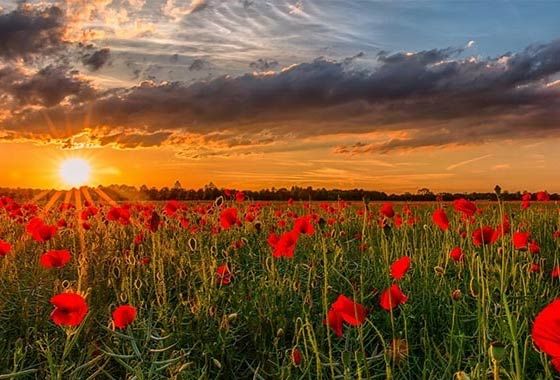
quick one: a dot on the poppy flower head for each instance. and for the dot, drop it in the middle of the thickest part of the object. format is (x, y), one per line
(5, 248)
(440, 219)
(484, 236)
(387, 210)
(543, 196)
(392, 297)
(171, 207)
(457, 254)
(55, 259)
(400, 267)
(223, 275)
(303, 225)
(545, 332)
(123, 316)
(525, 201)
(521, 240)
(239, 196)
(534, 247)
(119, 214)
(229, 218)
(286, 245)
(345, 310)
(351, 312)
(70, 309)
(40, 231)
(466, 207)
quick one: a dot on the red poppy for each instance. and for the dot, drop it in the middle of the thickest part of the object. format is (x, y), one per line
(345, 310)
(392, 297)
(543, 196)
(555, 272)
(521, 240)
(303, 225)
(484, 236)
(286, 245)
(398, 221)
(387, 210)
(504, 228)
(440, 219)
(5, 248)
(296, 356)
(171, 207)
(272, 240)
(457, 254)
(88, 212)
(228, 218)
(123, 316)
(464, 206)
(40, 231)
(239, 196)
(55, 259)
(70, 309)
(534, 247)
(525, 200)
(546, 332)
(119, 214)
(534, 268)
(223, 275)
(400, 267)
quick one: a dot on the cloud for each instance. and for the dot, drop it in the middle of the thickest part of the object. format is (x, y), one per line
(47, 87)
(433, 98)
(467, 162)
(30, 30)
(264, 64)
(96, 60)
(178, 9)
(199, 64)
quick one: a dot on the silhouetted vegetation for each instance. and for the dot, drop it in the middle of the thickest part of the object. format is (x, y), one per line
(211, 192)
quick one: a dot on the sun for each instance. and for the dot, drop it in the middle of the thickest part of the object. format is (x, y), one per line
(75, 171)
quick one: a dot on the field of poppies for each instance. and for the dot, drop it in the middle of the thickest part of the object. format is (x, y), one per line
(237, 288)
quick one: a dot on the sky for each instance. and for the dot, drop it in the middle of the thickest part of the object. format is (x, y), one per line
(385, 95)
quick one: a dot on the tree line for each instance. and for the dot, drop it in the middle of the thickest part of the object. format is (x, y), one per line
(211, 192)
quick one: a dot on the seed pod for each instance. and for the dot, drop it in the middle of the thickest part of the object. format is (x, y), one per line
(193, 244)
(219, 201)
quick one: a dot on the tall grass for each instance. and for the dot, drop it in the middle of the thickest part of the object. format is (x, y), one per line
(190, 327)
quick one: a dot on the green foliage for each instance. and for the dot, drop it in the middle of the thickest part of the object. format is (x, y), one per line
(190, 327)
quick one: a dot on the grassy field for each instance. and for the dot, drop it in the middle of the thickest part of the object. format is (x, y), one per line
(218, 296)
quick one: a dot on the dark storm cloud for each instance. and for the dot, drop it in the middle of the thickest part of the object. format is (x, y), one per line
(47, 87)
(435, 97)
(30, 30)
(96, 60)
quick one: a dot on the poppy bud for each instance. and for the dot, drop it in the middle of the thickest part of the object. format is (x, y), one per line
(296, 356)
(456, 294)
